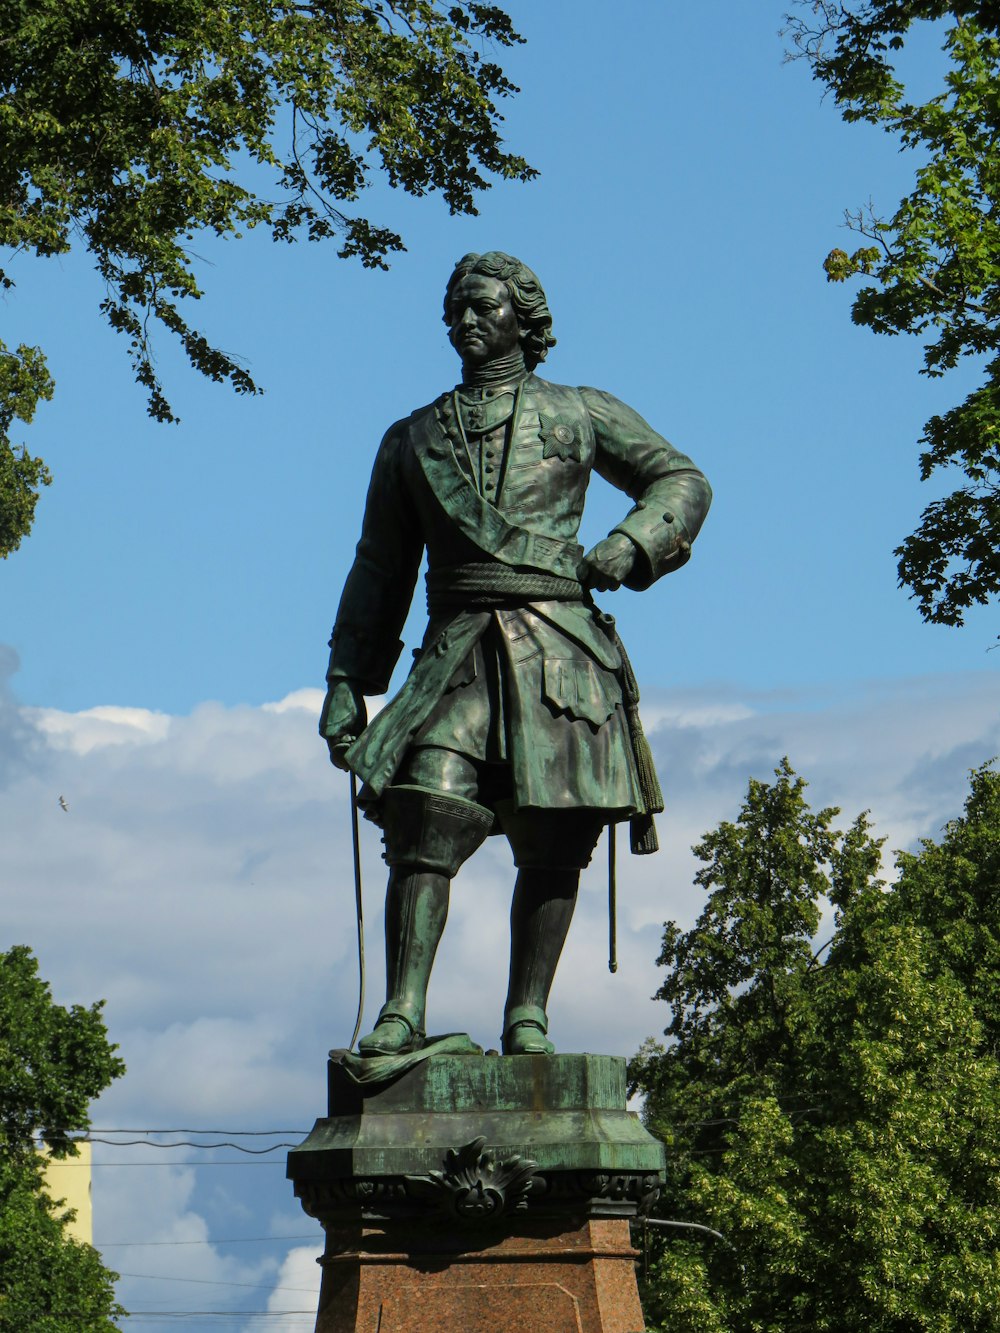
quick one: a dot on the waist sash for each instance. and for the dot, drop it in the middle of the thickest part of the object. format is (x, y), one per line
(484, 586)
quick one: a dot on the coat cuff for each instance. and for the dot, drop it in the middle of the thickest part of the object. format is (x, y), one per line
(356, 654)
(661, 540)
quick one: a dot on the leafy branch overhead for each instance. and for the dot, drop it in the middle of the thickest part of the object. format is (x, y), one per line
(935, 263)
(132, 127)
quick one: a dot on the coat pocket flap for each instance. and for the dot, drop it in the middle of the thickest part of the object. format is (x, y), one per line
(465, 673)
(578, 624)
(580, 689)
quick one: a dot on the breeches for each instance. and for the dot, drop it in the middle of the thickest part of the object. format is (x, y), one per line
(539, 838)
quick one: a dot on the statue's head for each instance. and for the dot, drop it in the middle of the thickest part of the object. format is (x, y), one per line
(527, 300)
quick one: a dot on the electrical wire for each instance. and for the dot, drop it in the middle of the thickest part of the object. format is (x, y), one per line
(207, 1314)
(181, 1143)
(184, 1129)
(687, 1226)
(211, 1282)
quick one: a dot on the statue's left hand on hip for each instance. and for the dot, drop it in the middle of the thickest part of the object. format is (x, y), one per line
(608, 564)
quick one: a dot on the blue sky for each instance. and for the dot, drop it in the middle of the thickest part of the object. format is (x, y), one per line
(691, 185)
(170, 612)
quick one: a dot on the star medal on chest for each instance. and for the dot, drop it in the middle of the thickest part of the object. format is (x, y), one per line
(560, 438)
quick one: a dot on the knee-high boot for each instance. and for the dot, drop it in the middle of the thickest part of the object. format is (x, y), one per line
(540, 916)
(416, 909)
(428, 835)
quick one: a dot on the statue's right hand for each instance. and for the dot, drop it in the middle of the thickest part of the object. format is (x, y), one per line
(344, 718)
(339, 745)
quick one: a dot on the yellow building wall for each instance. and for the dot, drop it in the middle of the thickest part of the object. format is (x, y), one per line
(69, 1178)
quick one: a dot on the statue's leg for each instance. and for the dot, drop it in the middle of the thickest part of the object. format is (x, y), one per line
(540, 915)
(428, 834)
(416, 909)
(550, 849)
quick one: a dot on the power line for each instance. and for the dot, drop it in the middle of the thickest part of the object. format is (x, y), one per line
(207, 1314)
(180, 1143)
(236, 1133)
(211, 1282)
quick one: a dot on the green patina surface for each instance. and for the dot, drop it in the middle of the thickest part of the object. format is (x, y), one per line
(476, 1082)
(565, 1112)
(520, 713)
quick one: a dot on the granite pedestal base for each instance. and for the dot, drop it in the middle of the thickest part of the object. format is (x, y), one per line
(479, 1192)
(533, 1278)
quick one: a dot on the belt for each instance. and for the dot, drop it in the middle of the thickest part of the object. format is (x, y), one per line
(483, 586)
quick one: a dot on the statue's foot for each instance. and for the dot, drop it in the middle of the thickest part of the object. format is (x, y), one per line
(393, 1035)
(526, 1038)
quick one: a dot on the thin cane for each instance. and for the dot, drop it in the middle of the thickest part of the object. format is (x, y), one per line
(612, 903)
(360, 911)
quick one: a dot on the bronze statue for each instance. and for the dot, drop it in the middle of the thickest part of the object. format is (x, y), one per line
(518, 715)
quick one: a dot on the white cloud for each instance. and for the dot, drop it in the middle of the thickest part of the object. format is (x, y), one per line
(309, 700)
(296, 1288)
(664, 712)
(93, 728)
(150, 1223)
(201, 881)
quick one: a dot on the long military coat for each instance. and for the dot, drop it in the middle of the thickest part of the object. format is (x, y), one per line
(564, 732)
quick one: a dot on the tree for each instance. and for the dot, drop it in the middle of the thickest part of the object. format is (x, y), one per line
(935, 262)
(951, 890)
(132, 127)
(53, 1061)
(834, 1112)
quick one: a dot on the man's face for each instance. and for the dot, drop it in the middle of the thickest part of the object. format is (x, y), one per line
(482, 324)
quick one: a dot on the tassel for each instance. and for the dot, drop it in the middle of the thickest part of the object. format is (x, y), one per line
(649, 783)
(642, 835)
(642, 827)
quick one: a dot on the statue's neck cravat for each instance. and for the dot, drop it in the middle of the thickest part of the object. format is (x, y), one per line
(503, 370)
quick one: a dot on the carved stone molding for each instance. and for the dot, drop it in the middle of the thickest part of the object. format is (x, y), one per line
(474, 1185)
(613, 1193)
(479, 1187)
(473, 1142)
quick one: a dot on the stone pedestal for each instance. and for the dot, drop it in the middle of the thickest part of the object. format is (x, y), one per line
(479, 1192)
(543, 1278)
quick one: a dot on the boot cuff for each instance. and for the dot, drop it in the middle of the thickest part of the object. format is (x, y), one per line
(426, 830)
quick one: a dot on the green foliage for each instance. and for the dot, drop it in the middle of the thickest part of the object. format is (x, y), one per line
(935, 262)
(132, 127)
(24, 379)
(49, 1283)
(833, 1112)
(53, 1061)
(951, 889)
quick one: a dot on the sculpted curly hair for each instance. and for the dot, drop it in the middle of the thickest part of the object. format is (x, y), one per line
(526, 296)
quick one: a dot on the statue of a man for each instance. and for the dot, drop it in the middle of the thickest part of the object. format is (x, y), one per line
(515, 717)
